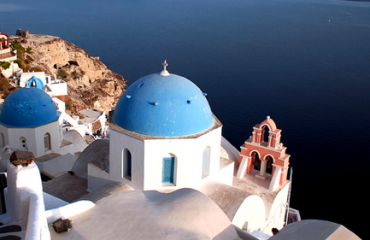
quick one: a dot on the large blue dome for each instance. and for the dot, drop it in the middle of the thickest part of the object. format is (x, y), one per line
(28, 108)
(163, 106)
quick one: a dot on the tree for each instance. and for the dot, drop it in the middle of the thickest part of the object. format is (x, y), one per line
(4, 84)
(25, 67)
(69, 104)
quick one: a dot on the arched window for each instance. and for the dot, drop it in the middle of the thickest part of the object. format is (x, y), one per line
(206, 162)
(126, 164)
(168, 170)
(2, 139)
(47, 143)
(23, 143)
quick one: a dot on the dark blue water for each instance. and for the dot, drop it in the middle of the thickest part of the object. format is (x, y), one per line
(305, 63)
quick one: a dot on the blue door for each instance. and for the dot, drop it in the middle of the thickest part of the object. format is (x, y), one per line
(168, 170)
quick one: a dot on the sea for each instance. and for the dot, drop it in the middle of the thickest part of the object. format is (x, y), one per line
(305, 63)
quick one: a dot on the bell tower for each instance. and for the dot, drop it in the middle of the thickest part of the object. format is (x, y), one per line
(264, 155)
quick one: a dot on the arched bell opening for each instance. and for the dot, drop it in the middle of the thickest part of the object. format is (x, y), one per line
(256, 161)
(265, 134)
(269, 167)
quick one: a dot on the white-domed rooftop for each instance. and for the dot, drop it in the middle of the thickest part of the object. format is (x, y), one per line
(28, 108)
(163, 105)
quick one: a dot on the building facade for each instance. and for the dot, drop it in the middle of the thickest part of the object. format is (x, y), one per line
(29, 121)
(164, 136)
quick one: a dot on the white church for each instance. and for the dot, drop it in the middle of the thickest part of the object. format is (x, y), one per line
(30, 121)
(165, 159)
(164, 136)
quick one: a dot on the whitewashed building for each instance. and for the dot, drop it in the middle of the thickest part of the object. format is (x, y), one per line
(7, 53)
(53, 87)
(29, 121)
(95, 121)
(12, 70)
(164, 136)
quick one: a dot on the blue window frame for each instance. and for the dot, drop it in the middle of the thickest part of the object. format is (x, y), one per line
(168, 170)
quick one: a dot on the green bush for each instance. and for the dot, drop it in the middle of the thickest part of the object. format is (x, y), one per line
(69, 104)
(17, 45)
(5, 65)
(20, 54)
(62, 73)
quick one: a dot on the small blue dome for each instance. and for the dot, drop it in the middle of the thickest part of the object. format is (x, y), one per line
(163, 106)
(28, 108)
(36, 82)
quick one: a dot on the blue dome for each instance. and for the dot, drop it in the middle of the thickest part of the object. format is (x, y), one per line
(163, 106)
(28, 108)
(35, 81)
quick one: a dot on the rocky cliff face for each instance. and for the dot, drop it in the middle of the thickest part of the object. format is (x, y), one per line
(90, 83)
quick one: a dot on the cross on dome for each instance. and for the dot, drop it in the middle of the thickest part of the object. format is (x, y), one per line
(164, 71)
(165, 64)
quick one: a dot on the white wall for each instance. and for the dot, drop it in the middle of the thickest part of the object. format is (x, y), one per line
(96, 177)
(13, 68)
(27, 75)
(224, 175)
(252, 210)
(53, 130)
(188, 153)
(58, 165)
(117, 143)
(34, 137)
(59, 89)
(277, 212)
(12, 137)
(147, 160)
(78, 143)
(22, 182)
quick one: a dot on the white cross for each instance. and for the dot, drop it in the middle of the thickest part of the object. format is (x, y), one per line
(165, 64)
(165, 72)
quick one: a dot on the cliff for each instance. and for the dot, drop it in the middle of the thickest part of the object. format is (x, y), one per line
(90, 82)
